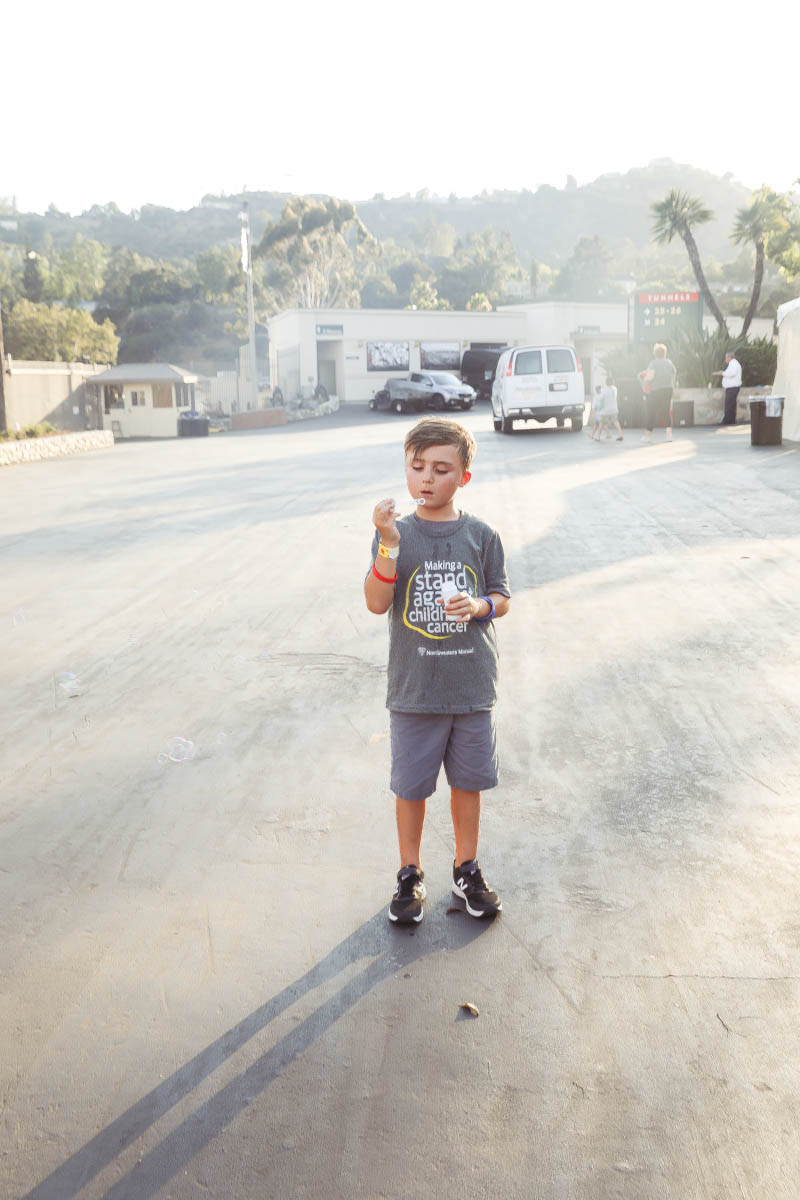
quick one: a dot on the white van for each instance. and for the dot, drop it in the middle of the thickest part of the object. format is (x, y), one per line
(535, 383)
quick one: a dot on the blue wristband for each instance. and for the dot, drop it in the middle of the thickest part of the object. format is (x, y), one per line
(490, 615)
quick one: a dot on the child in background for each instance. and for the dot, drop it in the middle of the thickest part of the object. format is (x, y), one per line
(610, 413)
(597, 409)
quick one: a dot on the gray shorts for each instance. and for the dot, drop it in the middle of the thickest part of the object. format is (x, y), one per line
(466, 743)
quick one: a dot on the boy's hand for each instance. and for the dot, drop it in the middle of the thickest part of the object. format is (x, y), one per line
(462, 607)
(384, 518)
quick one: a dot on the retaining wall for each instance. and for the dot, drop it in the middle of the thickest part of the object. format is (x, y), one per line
(58, 446)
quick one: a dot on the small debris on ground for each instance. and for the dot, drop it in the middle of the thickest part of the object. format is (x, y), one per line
(455, 908)
(472, 1009)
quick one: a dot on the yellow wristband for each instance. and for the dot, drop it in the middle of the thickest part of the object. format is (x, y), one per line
(388, 551)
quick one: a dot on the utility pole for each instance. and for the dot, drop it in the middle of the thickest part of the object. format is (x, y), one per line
(2, 375)
(247, 267)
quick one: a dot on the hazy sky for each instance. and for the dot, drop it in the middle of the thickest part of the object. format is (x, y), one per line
(163, 102)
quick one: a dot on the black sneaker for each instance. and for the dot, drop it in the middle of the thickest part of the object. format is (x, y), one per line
(468, 882)
(406, 905)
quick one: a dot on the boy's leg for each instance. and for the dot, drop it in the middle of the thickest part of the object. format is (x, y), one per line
(471, 758)
(410, 819)
(466, 810)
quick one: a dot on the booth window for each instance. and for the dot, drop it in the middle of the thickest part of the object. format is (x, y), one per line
(162, 395)
(137, 399)
(113, 396)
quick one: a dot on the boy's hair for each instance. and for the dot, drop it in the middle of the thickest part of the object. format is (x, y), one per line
(439, 431)
(659, 350)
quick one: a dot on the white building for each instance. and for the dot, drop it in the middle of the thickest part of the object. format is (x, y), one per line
(353, 351)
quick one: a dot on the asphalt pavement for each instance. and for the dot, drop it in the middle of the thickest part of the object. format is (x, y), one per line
(201, 994)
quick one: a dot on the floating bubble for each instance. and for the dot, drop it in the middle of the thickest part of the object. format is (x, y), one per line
(69, 683)
(163, 758)
(18, 617)
(420, 500)
(180, 749)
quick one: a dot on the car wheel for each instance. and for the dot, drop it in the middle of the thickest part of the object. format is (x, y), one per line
(466, 405)
(372, 404)
(577, 424)
(438, 403)
(560, 422)
(497, 423)
(399, 406)
(507, 425)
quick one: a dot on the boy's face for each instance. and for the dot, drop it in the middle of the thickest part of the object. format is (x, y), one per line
(435, 474)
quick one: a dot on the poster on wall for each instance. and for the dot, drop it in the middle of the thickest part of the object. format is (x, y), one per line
(440, 356)
(387, 356)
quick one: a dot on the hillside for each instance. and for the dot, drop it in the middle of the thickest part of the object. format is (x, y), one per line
(544, 224)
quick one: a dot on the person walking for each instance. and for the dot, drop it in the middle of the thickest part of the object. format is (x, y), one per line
(660, 375)
(731, 381)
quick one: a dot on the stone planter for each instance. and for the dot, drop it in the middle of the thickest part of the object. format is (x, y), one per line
(709, 403)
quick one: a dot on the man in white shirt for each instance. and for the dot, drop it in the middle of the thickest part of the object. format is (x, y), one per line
(731, 381)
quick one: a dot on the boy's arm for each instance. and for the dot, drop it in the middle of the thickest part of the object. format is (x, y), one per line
(379, 595)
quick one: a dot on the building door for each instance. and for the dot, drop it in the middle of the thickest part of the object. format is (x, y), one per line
(326, 370)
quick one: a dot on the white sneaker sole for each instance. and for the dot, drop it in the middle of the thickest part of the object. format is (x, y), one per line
(474, 912)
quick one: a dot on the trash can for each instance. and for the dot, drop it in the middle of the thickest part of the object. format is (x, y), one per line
(193, 424)
(766, 421)
(683, 412)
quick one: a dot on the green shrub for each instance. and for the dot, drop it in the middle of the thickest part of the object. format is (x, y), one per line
(31, 431)
(759, 360)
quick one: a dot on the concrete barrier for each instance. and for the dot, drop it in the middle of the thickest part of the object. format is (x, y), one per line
(57, 446)
(258, 418)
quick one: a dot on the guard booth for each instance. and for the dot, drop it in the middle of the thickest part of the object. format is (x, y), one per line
(145, 399)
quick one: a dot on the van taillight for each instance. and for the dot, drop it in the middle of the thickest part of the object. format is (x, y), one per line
(510, 367)
(580, 364)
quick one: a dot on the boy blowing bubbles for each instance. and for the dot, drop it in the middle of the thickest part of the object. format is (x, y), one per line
(440, 574)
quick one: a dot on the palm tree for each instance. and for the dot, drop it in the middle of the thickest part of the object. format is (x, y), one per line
(754, 222)
(675, 215)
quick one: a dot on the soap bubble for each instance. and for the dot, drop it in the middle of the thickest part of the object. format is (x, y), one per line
(163, 758)
(18, 617)
(69, 683)
(180, 749)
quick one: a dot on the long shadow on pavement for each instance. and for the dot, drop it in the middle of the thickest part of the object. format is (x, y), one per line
(390, 948)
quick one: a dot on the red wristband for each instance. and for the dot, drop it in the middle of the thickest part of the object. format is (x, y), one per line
(383, 578)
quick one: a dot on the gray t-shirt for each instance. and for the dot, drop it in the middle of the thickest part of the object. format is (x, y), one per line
(663, 374)
(436, 665)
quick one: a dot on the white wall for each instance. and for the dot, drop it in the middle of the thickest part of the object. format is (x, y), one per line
(787, 378)
(359, 326)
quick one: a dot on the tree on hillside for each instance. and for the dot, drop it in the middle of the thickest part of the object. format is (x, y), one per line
(586, 275)
(424, 295)
(77, 272)
(219, 270)
(783, 246)
(115, 300)
(765, 214)
(479, 302)
(311, 252)
(675, 216)
(481, 262)
(44, 332)
(34, 276)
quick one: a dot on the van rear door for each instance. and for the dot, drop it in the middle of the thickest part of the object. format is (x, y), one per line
(525, 380)
(564, 380)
